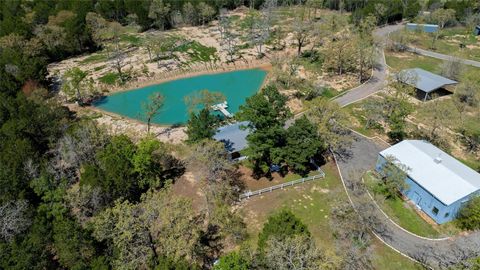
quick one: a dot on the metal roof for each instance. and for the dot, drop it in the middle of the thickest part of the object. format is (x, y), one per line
(427, 28)
(443, 176)
(423, 80)
(234, 136)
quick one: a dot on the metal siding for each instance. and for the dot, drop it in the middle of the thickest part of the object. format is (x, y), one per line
(427, 200)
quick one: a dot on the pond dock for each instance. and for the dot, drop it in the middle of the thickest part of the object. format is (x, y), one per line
(222, 107)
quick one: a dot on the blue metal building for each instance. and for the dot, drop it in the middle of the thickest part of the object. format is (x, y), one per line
(438, 184)
(427, 28)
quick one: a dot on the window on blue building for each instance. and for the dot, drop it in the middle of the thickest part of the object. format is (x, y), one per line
(447, 214)
(435, 210)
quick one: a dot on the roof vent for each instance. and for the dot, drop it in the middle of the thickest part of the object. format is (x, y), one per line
(438, 159)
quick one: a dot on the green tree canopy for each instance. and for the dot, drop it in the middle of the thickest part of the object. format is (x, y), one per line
(232, 261)
(394, 174)
(201, 126)
(302, 144)
(267, 113)
(115, 171)
(281, 224)
(469, 215)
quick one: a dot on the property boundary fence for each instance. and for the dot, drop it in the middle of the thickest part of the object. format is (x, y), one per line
(249, 194)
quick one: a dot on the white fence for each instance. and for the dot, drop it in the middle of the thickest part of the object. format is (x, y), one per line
(249, 194)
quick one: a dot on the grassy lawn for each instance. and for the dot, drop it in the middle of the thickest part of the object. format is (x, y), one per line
(131, 39)
(399, 61)
(386, 258)
(357, 116)
(405, 215)
(449, 43)
(293, 176)
(109, 78)
(312, 203)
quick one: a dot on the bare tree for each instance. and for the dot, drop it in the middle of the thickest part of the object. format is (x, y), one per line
(295, 252)
(439, 114)
(13, 219)
(364, 46)
(227, 35)
(164, 47)
(152, 108)
(259, 33)
(374, 112)
(203, 98)
(117, 53)
(452, 68)
(301, 28)
(353, 237)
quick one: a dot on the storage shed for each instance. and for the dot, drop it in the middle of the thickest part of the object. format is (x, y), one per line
(438, 184)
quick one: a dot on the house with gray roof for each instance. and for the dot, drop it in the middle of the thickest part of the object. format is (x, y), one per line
(438, 184)
(234, 136)
(426, 83)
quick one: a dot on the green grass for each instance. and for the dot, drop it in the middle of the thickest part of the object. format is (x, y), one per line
(386, 258)
(354, 111)
(100, 67)
(405, 215)
(448, 43)
(109, 78)
(313, 212)
(198, 52)
(312, 203)
(471, 162)
(411, 60)
(294, 176)
(134, 40)
(94, 58)
(406, 60)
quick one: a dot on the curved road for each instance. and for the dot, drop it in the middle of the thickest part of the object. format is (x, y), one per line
(443, 56)
(379, 74)
(434, 253)
(437, 254)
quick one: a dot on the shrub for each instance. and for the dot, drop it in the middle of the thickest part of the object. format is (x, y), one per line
(282, 224)
(232, 261)
(469, 215)
(109, 78)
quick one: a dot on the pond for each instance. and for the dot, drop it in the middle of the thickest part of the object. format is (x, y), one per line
(235, 85)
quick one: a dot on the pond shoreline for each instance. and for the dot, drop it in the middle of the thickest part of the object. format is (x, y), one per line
(184, 74)
(172, 133)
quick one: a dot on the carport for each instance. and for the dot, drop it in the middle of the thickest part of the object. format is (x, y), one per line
(426, 83)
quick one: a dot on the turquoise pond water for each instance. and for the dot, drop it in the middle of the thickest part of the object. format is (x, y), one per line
(235, 85)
